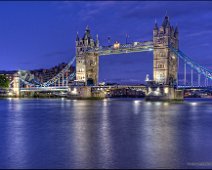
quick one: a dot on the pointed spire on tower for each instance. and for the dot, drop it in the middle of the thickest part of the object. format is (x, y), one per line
(87, 28)
(166, 22)
(176, 29)
(77, 38)
(97, 40)
(87, 33)
(156, 25)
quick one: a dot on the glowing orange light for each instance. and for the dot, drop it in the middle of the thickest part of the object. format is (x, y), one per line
(116, 45)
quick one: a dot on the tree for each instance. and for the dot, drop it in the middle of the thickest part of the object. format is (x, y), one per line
(4, 82)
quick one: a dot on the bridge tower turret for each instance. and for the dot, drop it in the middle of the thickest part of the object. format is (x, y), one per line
(165, 63)
(87, 64)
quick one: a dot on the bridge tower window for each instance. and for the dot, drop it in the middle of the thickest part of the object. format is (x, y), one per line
(160, 65)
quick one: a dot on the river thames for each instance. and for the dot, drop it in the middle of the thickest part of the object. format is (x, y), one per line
(110, 133)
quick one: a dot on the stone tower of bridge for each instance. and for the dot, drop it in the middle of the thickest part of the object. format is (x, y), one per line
(87, 64)
(165, 62)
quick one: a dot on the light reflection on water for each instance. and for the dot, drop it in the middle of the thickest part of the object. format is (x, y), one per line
(110, 133)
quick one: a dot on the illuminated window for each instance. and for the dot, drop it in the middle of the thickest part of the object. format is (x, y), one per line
(91, 62)
(160, 65)
(162, 76)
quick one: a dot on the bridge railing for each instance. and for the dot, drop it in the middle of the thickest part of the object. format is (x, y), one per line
(45, 89)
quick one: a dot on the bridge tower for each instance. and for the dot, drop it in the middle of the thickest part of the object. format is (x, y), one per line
(87, 64)
(165, 63)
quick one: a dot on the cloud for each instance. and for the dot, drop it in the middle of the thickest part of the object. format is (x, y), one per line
(85, 10)
(201, 33)
(175, 9)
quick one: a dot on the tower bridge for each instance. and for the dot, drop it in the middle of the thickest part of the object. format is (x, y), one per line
(165, 66)
(166, 57)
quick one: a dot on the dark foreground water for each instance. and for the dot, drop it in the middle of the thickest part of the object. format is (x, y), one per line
(114, 133)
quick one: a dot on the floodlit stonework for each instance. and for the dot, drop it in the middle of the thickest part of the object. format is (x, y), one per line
(165, 64)
(87, 64)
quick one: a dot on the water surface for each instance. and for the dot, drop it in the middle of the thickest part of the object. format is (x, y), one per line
(112, 133)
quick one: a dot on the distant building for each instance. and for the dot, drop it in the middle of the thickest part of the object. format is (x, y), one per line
(9, 74)
(43, 75)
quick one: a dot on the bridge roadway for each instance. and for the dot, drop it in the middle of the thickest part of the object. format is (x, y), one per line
(119, 87)
(68, 88)
(45, 89)
(101, 88)
(195, 87)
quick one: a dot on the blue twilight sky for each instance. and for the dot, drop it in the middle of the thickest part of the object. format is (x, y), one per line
(42, 34)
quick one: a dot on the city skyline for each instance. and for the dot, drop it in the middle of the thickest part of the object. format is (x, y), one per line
(46, 32)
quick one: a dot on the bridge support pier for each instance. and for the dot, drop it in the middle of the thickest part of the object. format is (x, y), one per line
(164, 93)
(161, 92)
(85, 92)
